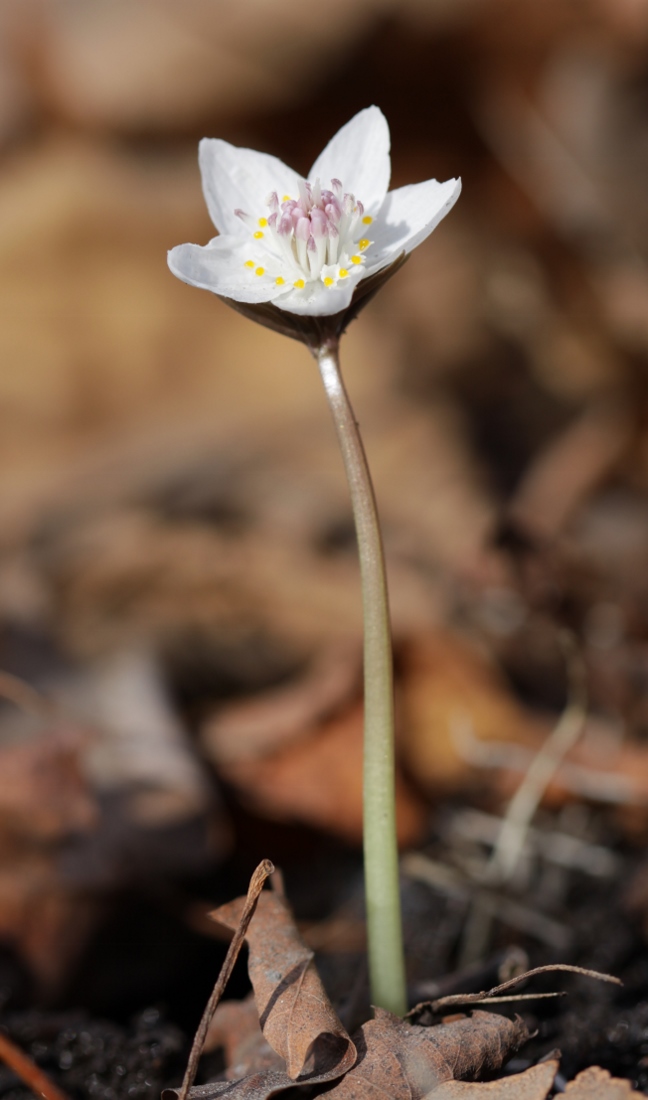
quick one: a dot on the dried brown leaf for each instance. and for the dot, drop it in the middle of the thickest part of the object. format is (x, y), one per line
(595, 1083)
(402, 1061)
(255, 727)
(406, 1062)
(235, 1027)
(533, 1084)
(287, 785)
(297, 1018)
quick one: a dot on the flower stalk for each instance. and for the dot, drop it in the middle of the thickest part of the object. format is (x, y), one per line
(384, 926)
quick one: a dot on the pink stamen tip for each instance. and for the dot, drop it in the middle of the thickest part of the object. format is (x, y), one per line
(273, 201)
(285, 227)
(336, 185)
(311, 246)
(333, 232)
(240, 213)
(360, 209)
(304, 196)
(303, 229)
(272, 220)
(319, 222)
(333, 211)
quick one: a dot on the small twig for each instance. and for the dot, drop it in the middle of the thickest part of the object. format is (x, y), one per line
(527, 798)
(262, 872)
(490, 994)
(31, 1074)
(512, 838)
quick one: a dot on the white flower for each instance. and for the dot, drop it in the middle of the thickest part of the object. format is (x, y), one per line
(304, 245)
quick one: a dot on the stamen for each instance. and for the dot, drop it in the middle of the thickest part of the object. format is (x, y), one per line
(308, 234)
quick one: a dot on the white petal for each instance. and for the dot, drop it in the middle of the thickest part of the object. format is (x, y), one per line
(318, 300)
(407, 216)
(358, 156)
(220, 267)
(241, 179)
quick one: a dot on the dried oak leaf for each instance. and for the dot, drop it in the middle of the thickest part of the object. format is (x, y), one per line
(402, 1061)
(534, 1084)
(595, 1083)
(296, 1016)
(406, 1062)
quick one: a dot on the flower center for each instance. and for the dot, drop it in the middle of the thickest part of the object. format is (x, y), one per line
(318, 236)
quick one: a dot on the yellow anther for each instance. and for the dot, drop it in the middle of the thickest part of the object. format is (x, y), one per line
(279, 281)
(286, 198)
(364, 243)
(249, 263)
(260, 271)
(263, 222)
(343, 272)
(356, 259)
(258, 234)
(300, 284)
(328, 281)
(367, 220)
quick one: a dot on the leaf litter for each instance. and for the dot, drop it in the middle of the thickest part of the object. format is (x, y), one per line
(288, 1036)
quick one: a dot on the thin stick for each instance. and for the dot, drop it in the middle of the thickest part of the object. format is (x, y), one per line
(542, 769)
(384, 925)
(31, 1074)
(492, 994)
(262, 872)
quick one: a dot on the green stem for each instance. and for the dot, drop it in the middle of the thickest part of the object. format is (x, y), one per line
(384, 931)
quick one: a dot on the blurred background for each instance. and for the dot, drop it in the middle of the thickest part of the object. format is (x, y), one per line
(180, 621)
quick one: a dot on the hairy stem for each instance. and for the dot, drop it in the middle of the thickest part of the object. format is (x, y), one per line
(384, 931)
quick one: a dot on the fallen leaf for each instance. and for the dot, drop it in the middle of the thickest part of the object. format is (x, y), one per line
(287, 785)
(446, 681)
(296, 1016)
(235, 1028)
(407, 1062)
(252, 728)
(400, 1060)
(534, 1084)
(595, 1083)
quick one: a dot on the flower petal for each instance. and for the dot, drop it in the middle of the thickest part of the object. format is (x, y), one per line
(358, 155)
(241, 179)
(220, 267)
(407, 216)
(319, 300)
